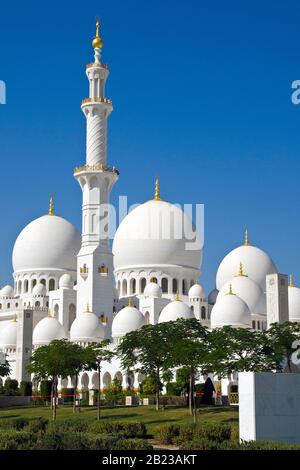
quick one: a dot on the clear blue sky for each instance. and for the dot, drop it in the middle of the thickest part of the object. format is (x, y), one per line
(201, 95)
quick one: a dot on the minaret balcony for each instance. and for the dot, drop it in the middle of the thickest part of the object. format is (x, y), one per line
(93, 64)
(97, 100)
(92, 168)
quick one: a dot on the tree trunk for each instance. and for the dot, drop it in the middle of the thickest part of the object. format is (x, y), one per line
(75, 393)
(157, 391)
(52, 394)
(54, 398)
(191, 391)
(99, 393)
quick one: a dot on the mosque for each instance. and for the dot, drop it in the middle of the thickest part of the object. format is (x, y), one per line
(76, 286)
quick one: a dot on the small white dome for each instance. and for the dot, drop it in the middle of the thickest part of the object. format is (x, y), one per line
(212, 296)
(248, 291)
(230, 310)
(257, 264)
(87, 328)
(152, 289)
(294, 303)
(175, 310)
(8, 336)
(66, 282)
(39, 290)
(7, 291)
(127, 319)
(48, 329)
(49, 242)
(197, 292)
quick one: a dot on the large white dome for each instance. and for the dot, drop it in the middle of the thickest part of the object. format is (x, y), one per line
(175, 310)
(257, 264)
(127, 319)
(87, 328)
(248, 291)
(197, 292)
(230, 310)
(7, 291)
(49, 242)
(156, 233)
(48, 329)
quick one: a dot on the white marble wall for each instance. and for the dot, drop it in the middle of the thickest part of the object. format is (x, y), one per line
(269, 406)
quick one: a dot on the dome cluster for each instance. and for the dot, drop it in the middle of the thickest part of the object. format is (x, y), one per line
(239, 298)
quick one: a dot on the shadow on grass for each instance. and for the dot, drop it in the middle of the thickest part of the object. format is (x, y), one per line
(9, 416)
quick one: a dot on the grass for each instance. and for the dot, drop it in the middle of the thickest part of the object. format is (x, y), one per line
(152, 418)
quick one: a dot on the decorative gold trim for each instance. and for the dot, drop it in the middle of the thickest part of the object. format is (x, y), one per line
(291, 283)
(51, 208)
(97, 41)
(84, 269)
(97, 100)
(103, 269)
(241, 271)
(80, 169)
(246, 242)
(230, 290)
(157, 190)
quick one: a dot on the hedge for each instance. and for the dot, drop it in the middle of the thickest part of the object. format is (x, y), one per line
(17, 440)
(127, 430)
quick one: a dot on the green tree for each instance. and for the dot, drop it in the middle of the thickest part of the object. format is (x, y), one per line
(238, 350)
(4, 367)
(281, 339)
(148, 386)
(95, 355)
(191, 352)
(114, 392)
(149, 350)
(58, 359)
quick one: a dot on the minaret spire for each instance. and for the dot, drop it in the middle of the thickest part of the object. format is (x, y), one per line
(97, 43)
(51, 208)
(246, 242)
(157, 190)
(291, 284)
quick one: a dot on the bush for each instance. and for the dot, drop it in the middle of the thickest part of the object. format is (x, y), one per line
(25, 389)
(37, 425)
(173, 434)
(10, 387)
(206, 444)
(127, 430)
(172, 400)
(26, 424)
(67, 394)
(17, 440)
(69, 425)
(168, 434)
(114, 393)
(213, 432)
(174, 389)
(16, 424)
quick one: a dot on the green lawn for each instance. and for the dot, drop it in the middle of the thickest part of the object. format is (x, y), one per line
(152, 418)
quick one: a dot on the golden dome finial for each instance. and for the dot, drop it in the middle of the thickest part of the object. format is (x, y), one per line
(230, 290)
(51, 209)
(87, 310)
(157, 190)
(14, 318)
(241, 271)
(50, 313)
(130, 304)
(291, 284)
(177, 298)
(246, 243)
(97, 41)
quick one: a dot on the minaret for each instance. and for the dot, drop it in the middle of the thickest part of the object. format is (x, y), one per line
(95, 278)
